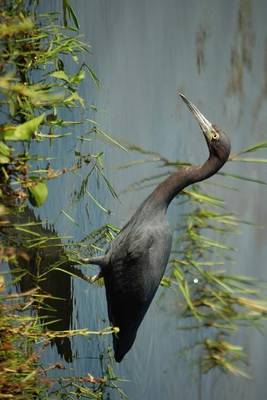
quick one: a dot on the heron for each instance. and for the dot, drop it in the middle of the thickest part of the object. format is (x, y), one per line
(136, 260)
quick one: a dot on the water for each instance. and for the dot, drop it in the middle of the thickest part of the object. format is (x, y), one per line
(143, 52)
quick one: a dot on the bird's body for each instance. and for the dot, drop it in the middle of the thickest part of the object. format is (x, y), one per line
(135, 263)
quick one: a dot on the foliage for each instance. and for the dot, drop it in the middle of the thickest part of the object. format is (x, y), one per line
(38, 96)
(22, 376)
(18, 364)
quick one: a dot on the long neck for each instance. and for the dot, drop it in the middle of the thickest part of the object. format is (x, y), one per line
(177, 181)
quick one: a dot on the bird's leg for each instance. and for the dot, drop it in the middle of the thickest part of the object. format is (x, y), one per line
(96, 277)
(101, 261)
(93, 278)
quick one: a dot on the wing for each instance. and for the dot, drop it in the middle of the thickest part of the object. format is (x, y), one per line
(136, 268)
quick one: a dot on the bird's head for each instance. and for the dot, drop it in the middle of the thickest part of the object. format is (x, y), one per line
(217, 141)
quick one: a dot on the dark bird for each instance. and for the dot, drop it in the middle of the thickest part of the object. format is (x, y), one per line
(134, 264)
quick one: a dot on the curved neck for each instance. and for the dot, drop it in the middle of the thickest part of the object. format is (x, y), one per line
(177, 181)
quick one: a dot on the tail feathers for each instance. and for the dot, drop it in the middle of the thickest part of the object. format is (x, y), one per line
(122, 344)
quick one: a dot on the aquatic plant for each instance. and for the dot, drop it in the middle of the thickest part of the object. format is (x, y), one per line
(38, 96)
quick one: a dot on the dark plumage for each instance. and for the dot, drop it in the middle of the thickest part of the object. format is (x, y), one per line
(136, 260)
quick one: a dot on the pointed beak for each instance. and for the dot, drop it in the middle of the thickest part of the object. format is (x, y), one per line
(204, 124)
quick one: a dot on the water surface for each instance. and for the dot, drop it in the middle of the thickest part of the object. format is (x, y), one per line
(143, 52)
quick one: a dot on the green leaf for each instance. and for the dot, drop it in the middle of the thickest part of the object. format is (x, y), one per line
(74, 79)
(93, 76)
(255, 147)
(73, 98)
(60, 75)
(69, 216)
(67, 9)
(110, 187)
(73, 16)
(242, 178)
(98, 131)
(97, 202)
(77, 78)
(4, 149)
(250, 160)
(5, 152)
(4, 159)
(201, 197)
(24, 131)
(38, 193)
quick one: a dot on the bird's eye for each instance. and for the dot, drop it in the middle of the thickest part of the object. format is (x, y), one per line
(215, 136)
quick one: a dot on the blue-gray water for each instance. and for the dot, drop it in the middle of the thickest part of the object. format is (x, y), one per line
(143, 52)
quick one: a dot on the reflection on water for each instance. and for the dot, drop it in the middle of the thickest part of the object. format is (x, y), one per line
(41, 251)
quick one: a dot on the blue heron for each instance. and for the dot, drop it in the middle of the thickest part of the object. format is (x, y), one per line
(134, 264)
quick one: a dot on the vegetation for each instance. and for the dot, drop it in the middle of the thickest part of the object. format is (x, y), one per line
(40, 76)
(212, 299)
(38, 96)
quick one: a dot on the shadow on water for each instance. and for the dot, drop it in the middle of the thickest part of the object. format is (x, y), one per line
(41, 252)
